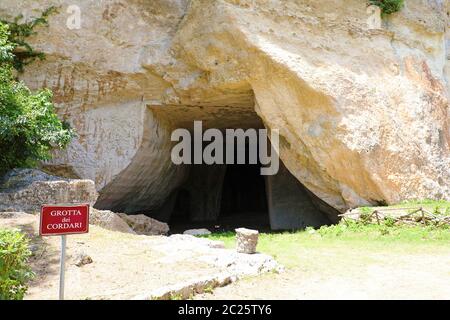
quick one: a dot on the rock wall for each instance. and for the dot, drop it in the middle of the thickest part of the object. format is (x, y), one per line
(363, 113)
(28, 189)
(290, 206)
(149, 177)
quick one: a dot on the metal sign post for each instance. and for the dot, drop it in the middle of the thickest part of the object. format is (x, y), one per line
(62, 267)
(61, 220)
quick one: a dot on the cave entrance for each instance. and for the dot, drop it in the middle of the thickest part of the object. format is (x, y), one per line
(218, 196)
(244, 199)
(221, 198)
(226, 197)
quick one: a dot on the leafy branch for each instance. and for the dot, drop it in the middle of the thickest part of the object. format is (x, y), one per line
(29, 126)
(18, 33)
(388, 6)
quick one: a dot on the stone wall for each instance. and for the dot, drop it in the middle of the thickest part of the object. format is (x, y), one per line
(28, 189)
(290, 206)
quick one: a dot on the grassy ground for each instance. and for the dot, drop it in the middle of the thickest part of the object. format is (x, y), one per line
(351, 260)
(353, 237)
(440, 207)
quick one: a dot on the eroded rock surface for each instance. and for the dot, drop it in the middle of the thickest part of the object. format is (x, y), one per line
(246, 240)
(142, 224)
(28, 189)
(362, 113)
(197, 232)
(109, 220)
(113, 265)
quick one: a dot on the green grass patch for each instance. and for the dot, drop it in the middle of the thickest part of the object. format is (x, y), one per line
(346, 241)
(440, 207)
(388, 6)
(14, 269)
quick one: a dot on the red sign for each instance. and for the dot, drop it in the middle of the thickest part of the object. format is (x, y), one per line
(59, 220)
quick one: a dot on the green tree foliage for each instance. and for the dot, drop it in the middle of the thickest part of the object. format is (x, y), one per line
(18, 33)
(14, 269)
(29, 126)
(388, 6)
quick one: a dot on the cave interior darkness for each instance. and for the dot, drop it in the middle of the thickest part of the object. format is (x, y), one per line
(242, 202)
(219, 197)
(222, 197)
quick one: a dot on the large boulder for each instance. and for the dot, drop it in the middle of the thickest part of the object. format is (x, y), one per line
(362, 112)
(28, 189)
(108, 220)
(145, 225)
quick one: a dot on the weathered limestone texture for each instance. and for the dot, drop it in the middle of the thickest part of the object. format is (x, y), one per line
(28, 189)
(362, 113)
(290, 206)
(246, 240)
(108, 220)
(197, 232)
(142, 224)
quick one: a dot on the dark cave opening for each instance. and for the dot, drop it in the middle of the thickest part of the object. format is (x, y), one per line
(180, 214)
(244, 199)
(219, 197)
(236, 197)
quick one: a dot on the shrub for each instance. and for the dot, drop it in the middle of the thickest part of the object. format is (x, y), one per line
(365, 213)
(388, 6)
(389, 222)
(19, 31)
(14, 270)
(29, 127)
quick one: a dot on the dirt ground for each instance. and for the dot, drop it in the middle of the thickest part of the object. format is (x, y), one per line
(124, 265)
(127, 265)
(371, 276)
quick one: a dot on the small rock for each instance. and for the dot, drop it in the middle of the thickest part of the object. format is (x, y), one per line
(197, 232)
(82, 259)
(189, 241)
(34, 248)
(246, 240)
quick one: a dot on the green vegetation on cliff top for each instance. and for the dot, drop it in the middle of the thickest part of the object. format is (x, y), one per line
(29, 126)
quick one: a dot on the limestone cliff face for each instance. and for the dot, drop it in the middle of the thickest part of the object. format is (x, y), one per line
(363, 113)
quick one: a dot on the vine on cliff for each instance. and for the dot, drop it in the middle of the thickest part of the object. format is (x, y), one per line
(388, 6)
(19, 31)
(29, 126)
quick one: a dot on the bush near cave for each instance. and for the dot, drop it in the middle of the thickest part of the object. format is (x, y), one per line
(29, 126)
(14, 270)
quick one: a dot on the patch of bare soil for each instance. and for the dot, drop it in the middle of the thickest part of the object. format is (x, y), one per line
(388, 276)
(124, 265)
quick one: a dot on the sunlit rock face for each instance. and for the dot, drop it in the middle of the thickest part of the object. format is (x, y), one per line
(362, 112)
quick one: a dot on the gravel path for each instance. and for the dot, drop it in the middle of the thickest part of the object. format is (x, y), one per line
(127, 266)
(386, 276)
